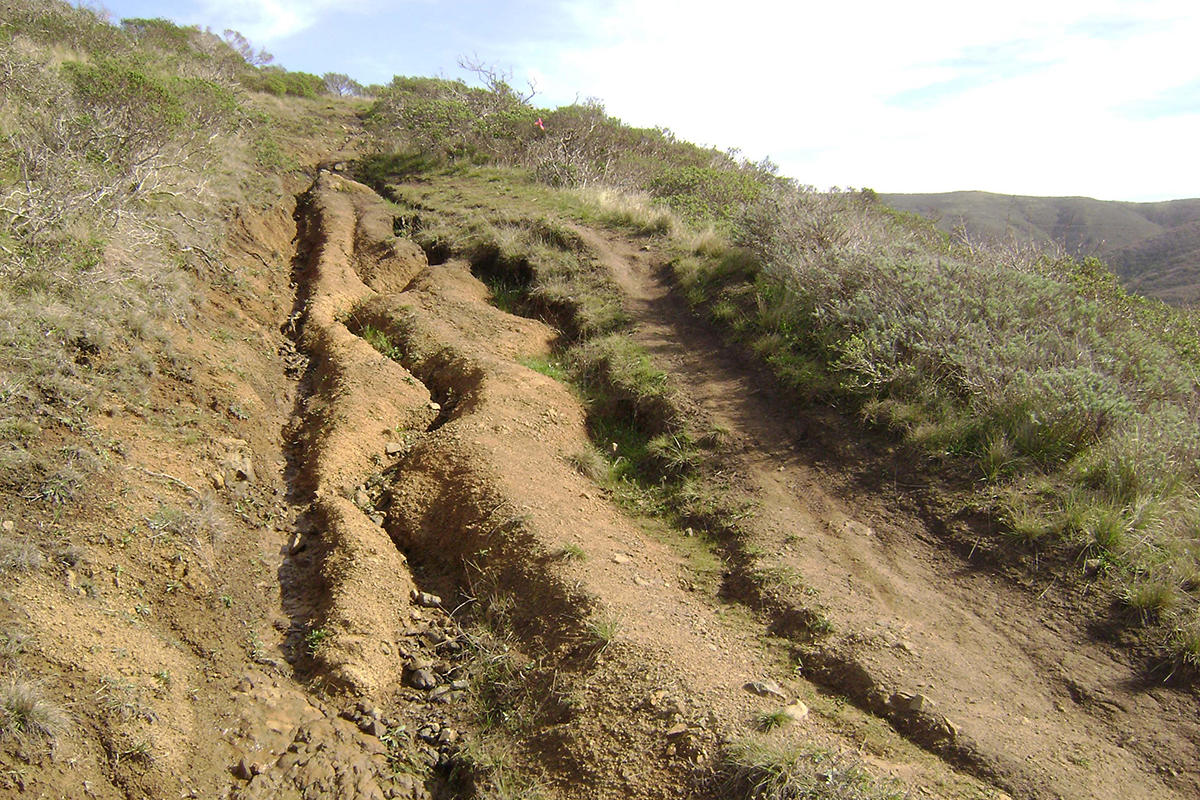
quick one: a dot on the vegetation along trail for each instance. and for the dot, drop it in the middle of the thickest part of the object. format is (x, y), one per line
(1028, 697)
(613, 675)
(401, 442)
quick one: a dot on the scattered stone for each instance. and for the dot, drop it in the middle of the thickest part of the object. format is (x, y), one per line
(218, 481)
(425, 599)
(422, 678)
(677, 730)
(288, 760)
(296, 544)
(372, 727)
(447, 736)
(393, 449)
(237, 466)
(460, 685)
(439, 691)
(950, 728)
(620, 558)
(9, 526)
(377, 519)
(361, 498)
(1092, 566)
(243, 770)
(857, 528)
(428, 734)
(435, 406)
(640, 581)
(911, 702)
(765, 689)
(796, 711)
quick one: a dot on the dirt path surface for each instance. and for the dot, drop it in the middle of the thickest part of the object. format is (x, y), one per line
(1029, 700)
(461, 456)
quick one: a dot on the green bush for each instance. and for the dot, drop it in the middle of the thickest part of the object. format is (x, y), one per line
(281, 82)
(1076, 402)
(706, 193)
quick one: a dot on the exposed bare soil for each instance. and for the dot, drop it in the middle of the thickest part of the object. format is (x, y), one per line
(642, 676)
(287, 643)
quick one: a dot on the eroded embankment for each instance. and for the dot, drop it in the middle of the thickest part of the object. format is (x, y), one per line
(444, 467)
(355, 396)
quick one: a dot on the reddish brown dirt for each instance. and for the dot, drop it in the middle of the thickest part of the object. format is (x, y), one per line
(1037, 703)
(483, 501)
(268, 652)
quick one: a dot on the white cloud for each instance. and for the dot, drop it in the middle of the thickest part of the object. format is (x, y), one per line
(1023, 96)
(270, 21)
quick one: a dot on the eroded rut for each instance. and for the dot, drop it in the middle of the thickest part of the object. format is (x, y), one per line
(442, 466)
(1021, 694)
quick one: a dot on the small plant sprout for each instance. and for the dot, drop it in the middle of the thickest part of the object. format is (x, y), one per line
(315, 638)
(770, 720)
(570, 551)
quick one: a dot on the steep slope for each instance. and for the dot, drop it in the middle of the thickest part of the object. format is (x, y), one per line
(1153, 247)
(632, 680)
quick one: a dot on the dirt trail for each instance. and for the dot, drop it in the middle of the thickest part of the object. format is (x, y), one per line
(461, 456)
(1033, 702)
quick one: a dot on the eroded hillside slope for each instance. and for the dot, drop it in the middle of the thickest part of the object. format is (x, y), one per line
(392, 571)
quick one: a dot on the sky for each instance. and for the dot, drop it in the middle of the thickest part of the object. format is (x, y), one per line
(1098, 98)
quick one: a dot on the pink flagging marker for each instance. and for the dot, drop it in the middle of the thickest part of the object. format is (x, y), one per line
(539, 124)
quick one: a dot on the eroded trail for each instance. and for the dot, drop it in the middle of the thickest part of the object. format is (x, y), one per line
(434, 462)
(989, 677)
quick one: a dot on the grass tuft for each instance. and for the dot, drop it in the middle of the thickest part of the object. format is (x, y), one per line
(19, 555)
(27, 716)
(762, 769)
(590, 464)
(570, 551)
(1151, 598)
(770, 720)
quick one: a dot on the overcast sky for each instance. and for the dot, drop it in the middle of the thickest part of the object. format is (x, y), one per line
(1099, 98)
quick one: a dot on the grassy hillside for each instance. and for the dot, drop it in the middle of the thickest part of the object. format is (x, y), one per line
(1069, 406)
(148, 174)
(1153, 247)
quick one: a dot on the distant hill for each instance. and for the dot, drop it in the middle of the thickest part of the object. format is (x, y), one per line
(1153, 247)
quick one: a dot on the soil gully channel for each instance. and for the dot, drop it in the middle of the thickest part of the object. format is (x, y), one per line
(631, 680)
(477, 494)
(918, 632)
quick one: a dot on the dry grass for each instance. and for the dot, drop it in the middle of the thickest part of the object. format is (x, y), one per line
(761, 768)
(629, 210)
(27, 717)
(19, 555)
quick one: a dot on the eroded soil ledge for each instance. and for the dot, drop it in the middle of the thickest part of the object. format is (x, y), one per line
(442, 466)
